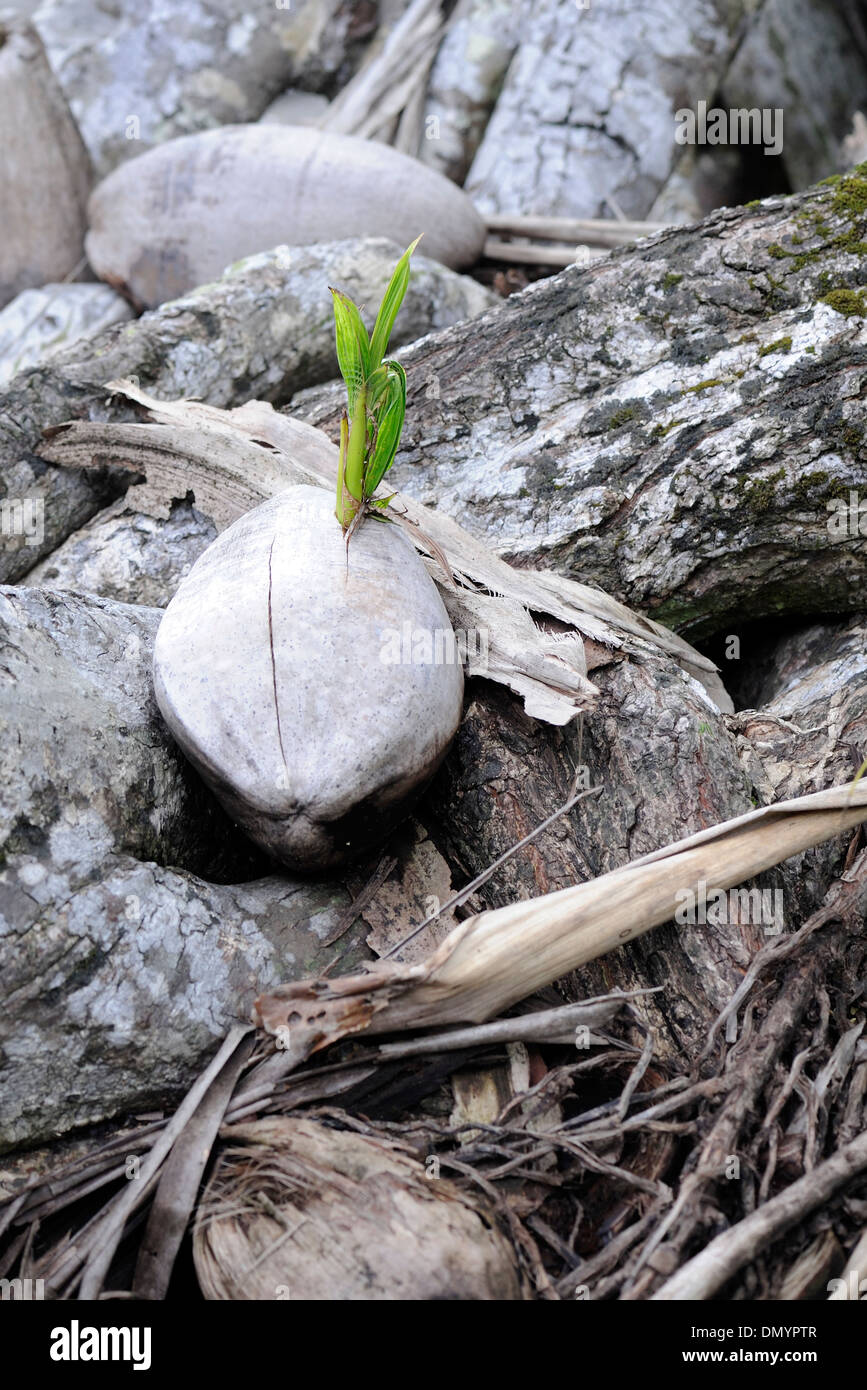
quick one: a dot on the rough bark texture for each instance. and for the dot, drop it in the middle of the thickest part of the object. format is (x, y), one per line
(587, 107)
(653, 731)
(673, 424)
(41, 322)
(650, 734)
(808, 732)
(215, 62)
(263, 330)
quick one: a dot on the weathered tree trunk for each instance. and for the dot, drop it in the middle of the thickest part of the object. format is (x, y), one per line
(566, 131)
(667, 766)
(679, 424)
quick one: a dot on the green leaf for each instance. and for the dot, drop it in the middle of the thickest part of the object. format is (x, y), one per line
(377, 385)
(353, 346)
(391, 417)
(388, 309)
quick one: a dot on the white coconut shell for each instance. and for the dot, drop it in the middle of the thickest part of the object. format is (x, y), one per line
(45, 172)
(176, 216)
(366, 1222)
(279, 668)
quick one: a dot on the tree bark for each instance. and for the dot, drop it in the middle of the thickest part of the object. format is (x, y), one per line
(678, 424)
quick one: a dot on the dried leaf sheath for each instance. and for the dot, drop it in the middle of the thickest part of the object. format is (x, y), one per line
(498, 957)
(233, 460)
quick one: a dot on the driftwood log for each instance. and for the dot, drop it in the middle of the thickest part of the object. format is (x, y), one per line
(677, 423)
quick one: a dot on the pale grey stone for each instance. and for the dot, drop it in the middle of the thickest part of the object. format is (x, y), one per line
(118, 986)
(87, 768)
(128, 555)
(295, 108)
(466, 79)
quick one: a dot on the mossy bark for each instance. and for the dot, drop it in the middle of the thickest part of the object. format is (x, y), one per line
(677, 424)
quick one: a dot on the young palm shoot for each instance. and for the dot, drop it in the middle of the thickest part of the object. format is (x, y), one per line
(376, 399)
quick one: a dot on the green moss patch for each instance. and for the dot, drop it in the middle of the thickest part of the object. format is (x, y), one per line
(845, 301)
(780, 345)
(621, 417)
(705, 385)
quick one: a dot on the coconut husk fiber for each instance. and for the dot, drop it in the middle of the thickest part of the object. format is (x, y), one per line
(297, 1208)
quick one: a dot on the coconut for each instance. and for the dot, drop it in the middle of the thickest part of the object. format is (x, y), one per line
(298, 1210)
(316, 686)
(177, 215)
(45, 170)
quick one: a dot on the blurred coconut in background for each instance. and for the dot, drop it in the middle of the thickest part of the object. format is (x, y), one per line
(299, 1209)
(177, 216)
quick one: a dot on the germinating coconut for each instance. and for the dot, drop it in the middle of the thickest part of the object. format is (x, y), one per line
(281, 668)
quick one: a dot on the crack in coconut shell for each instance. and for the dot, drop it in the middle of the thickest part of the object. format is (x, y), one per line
(274, 669)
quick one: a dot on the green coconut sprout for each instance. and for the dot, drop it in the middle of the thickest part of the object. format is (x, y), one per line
(376, 398)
